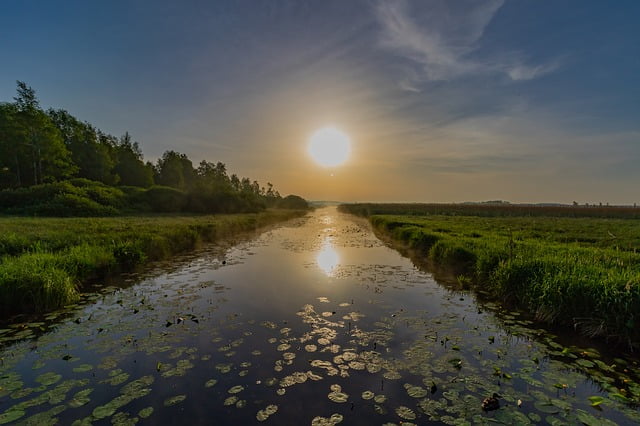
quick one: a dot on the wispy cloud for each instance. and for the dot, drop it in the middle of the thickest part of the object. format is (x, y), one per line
(443, 37)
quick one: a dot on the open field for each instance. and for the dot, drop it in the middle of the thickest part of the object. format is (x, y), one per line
(494, 210)
(581, 272)
(44, 260)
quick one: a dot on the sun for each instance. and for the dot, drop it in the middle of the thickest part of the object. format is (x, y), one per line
(329, 147)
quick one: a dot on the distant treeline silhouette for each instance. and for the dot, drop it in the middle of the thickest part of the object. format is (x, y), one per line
(51, 163)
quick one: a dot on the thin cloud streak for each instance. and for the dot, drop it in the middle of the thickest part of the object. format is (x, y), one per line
(442, 41)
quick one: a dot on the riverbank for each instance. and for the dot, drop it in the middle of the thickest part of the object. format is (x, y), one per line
(577, 272)
(45, 261)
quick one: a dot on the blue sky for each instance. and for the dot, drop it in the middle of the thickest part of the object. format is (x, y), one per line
(444, 101)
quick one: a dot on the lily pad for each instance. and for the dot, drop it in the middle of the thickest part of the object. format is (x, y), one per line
(83, 368)
(417, 392)
(145, 412)
(81, 398)
(338, 397)
(47, 379)
(263, 415)
(367, 395)
(405, 413)
(231, 400)
(596, 400)
(11, 415)
(174, 400)
(546, 407)
(236, 389)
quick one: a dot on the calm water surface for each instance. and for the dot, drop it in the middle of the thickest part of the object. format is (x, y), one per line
(312, 322)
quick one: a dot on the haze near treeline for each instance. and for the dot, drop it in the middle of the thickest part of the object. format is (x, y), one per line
(443, 101)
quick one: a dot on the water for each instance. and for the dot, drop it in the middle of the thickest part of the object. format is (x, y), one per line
(312, 319)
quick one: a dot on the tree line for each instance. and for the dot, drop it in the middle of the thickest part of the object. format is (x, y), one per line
(44, 148)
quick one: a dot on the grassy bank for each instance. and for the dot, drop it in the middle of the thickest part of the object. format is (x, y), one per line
(581, 272)
(44, 261)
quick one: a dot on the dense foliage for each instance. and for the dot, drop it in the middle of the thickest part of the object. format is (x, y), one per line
(52, 164)
(582, 272)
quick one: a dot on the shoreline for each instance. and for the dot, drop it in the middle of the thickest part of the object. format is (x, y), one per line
(46, 261)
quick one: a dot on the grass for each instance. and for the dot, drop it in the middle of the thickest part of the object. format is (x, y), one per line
(581, 272)
(44, 261)
(495, 210)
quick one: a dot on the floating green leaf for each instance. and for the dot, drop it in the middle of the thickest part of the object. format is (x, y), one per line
(47, 379)
(174, 400)
(596, 400)
(405, 413)
(367, 395)
(11, 415)
(83, 368)
(145, 412)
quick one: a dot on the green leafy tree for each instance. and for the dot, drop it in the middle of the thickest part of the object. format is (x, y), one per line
(11, 137)
(175, 170)
(130, 167)
(94, 158)
(39, 154)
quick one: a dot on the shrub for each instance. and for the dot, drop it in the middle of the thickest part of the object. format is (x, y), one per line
(165, 199)
(76, 197)
(293, 202)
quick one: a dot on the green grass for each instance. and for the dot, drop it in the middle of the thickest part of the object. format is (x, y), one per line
(494, 210)
(44, 261)
(580, 272)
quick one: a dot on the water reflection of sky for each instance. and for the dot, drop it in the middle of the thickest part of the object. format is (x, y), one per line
(328, 258)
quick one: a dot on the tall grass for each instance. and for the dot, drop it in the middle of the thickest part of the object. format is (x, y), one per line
(44, 261)
(582, 272)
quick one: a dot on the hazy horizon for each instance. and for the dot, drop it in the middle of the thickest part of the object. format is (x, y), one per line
(521, 101)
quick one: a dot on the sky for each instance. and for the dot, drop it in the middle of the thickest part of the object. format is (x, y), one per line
(444, 101)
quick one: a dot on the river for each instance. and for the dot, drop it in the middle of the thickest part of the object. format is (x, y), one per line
(314, 321)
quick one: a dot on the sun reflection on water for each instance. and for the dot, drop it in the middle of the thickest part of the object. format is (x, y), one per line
(328, 259)
(326, 220)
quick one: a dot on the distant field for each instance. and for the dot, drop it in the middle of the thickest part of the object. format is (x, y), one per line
(582, 271)
(493, 210)
(44, 260)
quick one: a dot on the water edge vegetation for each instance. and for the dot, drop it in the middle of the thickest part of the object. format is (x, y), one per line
(568, 269)
(44, 261)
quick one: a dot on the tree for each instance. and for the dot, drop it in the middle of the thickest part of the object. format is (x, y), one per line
(175, 170)
(129, 167)
(94, 158)
(39, 154)
(11, 136)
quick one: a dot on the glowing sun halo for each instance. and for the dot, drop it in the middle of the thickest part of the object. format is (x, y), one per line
(329, 147)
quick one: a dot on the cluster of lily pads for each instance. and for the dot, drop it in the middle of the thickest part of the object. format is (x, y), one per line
(376, 360)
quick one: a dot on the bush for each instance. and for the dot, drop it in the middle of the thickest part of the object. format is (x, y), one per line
(71, 205)
(293, 202)
(76, 197)
(100, 193)
(165, 199)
